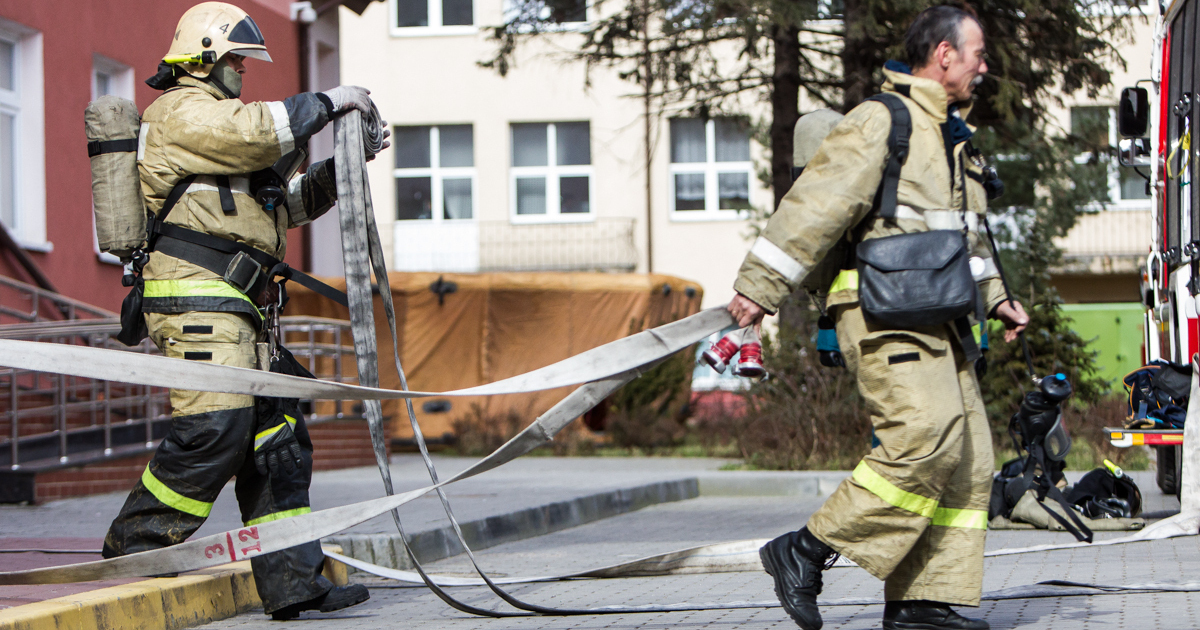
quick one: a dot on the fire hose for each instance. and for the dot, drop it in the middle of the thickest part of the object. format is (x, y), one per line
(598, 372)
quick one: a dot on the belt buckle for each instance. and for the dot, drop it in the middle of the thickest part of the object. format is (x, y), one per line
(238, 268)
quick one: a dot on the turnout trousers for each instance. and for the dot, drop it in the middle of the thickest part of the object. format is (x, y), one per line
(210, 441)
(914, 512)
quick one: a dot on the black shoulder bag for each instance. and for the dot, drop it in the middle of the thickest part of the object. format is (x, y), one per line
(920, 279)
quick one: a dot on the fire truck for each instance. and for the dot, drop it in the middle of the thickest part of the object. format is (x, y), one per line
(1155, 120)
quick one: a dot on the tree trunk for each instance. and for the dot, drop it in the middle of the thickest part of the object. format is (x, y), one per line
(858, 57)
(785, 106)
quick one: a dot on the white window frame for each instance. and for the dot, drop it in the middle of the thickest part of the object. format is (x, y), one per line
(436, 174)
(120, 77)
(510, 13)
(435, 28)
(27, 105)
(710, 168)
(1116, 8)
(120, 84)
(551, 172)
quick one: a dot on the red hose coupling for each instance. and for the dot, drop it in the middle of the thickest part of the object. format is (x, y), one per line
(750, 361)
(718, 355)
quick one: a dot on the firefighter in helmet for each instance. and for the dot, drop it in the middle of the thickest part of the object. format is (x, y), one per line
(205, 159)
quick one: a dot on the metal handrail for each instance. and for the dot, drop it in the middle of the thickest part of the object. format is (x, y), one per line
(92, 420)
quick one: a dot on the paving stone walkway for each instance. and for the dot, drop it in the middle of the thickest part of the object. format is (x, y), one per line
(709, 519)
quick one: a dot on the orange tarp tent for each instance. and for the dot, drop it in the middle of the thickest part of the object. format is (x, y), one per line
(496, 325)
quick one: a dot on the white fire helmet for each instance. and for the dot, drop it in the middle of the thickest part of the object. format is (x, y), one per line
(210, 30)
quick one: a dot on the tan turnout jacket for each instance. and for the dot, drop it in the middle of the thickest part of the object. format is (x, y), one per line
(194, 129)
(836, 190)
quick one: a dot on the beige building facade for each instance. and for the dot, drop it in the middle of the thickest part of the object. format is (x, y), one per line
(1103, 254)
(544, 169)
(539, 170)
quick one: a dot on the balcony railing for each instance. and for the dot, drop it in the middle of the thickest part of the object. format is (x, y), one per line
(1111, 241)
(603, 244)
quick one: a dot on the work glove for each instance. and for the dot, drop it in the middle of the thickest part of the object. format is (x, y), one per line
(347, 97)
(276, 450)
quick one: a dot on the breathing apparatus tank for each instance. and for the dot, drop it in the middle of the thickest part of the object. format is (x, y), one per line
(111, 124)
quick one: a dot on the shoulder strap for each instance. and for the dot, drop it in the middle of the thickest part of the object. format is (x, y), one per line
(898, 140)
(173, 197)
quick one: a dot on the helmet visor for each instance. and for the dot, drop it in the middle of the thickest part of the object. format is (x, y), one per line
(246, 32)
(254, 53)
(1057, 442)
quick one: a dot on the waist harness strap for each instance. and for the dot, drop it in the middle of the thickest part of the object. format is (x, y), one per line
(245, 268)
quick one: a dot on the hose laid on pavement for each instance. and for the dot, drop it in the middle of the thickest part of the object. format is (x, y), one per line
(602, 371)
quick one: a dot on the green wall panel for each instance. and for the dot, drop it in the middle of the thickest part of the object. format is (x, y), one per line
(1115, 331)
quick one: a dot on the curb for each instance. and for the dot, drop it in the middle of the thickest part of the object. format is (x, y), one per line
(429, 546)
(770, 483)
(189, 600)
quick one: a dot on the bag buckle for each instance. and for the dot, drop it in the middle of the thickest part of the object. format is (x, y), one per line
(242, 272)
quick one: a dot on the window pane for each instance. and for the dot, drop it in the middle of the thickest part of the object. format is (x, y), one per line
(529, 144)
(733, 190)
(567, 10)
(831, 9)
(687, 140)
(733, 140)
(103, 85)
(531, 195)
(6, 65)
(457, 145)
(573, 193)
(411, 146)
(1090, 124)
(1133, 186)
(412, 13)
(574, 143)
(413, 200)
(7, 174)
(456, 197)
(689, 191)
(456, 12)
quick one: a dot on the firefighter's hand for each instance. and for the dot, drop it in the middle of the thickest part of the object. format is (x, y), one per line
(279, 454)
(1014, 318)
(745, 311)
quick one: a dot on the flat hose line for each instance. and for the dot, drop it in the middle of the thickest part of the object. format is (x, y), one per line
(601, 371)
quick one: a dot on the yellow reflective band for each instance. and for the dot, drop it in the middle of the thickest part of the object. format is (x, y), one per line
(193, 288)
(173, 499)
(969, 519)
(883, 489)
(977, 332)
(847, 280)
(261, 437)
(277, 516)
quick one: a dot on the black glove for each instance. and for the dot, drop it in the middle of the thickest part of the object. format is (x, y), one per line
(276, 447)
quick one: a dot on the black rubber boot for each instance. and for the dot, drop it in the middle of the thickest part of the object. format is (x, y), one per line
(796, 560)
(926, 615)
(337, 598)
